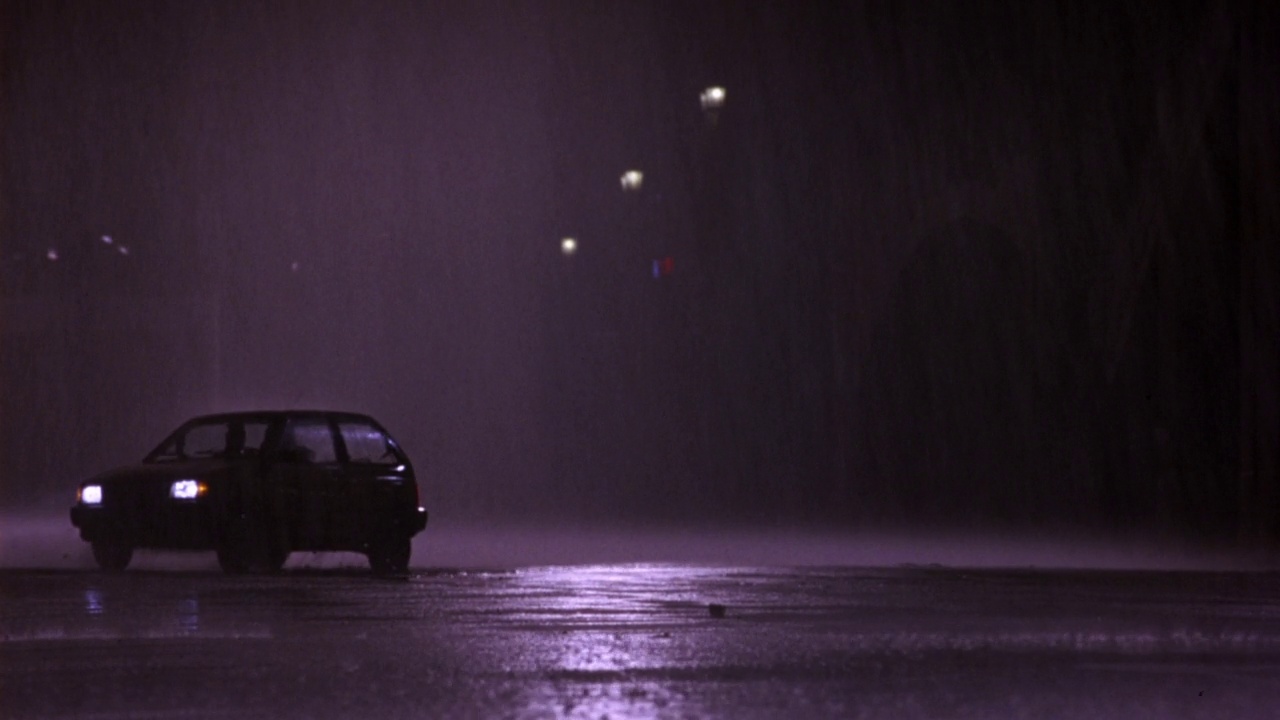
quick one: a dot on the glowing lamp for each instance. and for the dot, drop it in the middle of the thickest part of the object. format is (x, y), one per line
(632, 180)
(712, 98)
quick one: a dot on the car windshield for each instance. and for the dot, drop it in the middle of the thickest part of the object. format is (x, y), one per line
(227, 438)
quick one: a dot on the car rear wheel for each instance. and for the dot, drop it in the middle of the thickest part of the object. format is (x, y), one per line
(243, 551)
(232, 560)
(275, 556)
(112, 556)
(390, 556)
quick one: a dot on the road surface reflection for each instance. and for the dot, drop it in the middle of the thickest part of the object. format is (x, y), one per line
(640, 640)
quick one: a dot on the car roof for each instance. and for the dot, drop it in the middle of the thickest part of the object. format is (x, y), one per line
(279, 414)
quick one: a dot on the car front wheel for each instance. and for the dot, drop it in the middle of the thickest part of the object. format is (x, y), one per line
(275, 556)
(112, 556)
(232, 560)
(390, 556)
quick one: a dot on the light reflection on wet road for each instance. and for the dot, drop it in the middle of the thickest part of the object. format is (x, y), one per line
(639, 641)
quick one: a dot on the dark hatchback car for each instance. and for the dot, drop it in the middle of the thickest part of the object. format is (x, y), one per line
(255, 486)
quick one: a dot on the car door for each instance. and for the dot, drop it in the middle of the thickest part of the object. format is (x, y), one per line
(379, 482)
(308, 485)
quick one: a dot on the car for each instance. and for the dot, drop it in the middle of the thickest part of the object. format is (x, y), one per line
(256, 486)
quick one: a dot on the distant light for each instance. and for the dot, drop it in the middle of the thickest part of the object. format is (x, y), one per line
(123, 250)
(106, 239)
(568, 246)
(712, 98)
(663, 267)
(632, 180)
(294, 266)
(52, 254)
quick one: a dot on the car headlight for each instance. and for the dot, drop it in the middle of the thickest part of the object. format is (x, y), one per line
(187, 489)
(91, 494)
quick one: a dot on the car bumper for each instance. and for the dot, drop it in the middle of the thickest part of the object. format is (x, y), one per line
(96, 522)
(178, 527)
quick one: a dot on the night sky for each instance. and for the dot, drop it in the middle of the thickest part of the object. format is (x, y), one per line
(938, 265)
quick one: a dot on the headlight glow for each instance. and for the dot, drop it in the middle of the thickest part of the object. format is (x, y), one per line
(187, 489)
(91, 494)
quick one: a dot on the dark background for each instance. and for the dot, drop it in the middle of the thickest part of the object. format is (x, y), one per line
(995, 265)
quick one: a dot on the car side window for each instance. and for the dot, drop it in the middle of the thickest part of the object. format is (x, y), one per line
(367, 444)
(309, 441)
(204, 440)
(227, 438)
(255, 433)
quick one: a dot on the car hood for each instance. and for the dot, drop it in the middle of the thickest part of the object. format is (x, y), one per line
(203, 468)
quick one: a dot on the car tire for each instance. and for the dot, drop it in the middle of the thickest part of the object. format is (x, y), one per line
(112, 556)
(232, 560)
(275, 555)
(390, 556)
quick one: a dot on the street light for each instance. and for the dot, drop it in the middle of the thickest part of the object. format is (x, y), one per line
(712, 99)
(111, 242)
(568, 246)
(632, 180)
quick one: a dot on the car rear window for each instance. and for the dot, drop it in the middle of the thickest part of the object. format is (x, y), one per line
(367, 444)
(312, 436)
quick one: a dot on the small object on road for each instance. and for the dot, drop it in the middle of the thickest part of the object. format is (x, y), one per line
(717, 610)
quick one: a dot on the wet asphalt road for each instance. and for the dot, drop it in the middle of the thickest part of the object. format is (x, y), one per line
(624, 641)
